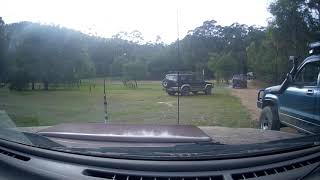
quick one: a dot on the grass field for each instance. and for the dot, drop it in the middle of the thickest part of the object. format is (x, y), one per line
(146, 104)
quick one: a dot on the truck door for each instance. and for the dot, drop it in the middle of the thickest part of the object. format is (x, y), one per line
(298, 104)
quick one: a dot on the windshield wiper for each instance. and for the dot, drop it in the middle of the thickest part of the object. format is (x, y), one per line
(193, 151)
(26, 138)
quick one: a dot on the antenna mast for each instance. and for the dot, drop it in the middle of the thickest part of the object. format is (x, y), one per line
(105, 104)
(178, 75)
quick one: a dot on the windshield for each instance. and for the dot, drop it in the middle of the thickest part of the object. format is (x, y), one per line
(172, 77)
(94, 74)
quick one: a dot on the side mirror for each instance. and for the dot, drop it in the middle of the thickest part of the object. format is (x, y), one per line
(292, 58)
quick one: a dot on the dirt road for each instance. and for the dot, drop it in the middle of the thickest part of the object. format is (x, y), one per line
(248, 98)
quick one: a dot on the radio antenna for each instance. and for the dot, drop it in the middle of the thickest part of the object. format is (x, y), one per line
(178, 75)
(105, 104)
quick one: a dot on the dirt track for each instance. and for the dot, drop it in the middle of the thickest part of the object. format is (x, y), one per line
(248, 98)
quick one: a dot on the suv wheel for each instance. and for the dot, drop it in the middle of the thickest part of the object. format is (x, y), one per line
(269, 119)
(185, 91)
(208, 90)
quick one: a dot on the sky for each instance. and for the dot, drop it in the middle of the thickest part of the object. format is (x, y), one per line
(151, 17)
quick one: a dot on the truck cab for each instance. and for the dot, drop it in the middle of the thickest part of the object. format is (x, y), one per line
(296, 102)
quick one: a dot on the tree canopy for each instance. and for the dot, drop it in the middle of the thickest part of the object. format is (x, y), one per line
(35, 53)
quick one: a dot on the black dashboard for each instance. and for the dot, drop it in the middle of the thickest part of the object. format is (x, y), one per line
(26, 162)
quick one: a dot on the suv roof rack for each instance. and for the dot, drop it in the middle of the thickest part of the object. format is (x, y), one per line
(314, 48)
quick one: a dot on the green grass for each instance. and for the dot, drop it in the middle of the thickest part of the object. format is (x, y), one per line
(146, 104)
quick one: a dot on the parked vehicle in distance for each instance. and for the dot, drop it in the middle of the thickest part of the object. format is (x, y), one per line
(186, 83)
(250, 76)
(239, 81)
(296, 102)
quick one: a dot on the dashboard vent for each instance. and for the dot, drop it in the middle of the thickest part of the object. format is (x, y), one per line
(14, 155)
(276, 170)
(115, 176)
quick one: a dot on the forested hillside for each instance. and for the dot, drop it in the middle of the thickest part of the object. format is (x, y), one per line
(33, 53)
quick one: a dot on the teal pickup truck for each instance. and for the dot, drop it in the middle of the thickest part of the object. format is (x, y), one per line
(296, 102)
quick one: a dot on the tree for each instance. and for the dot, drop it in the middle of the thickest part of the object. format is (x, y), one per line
(134, 71)
(223, 65)
(3, 45)
(47, 54)
(290, 26)
(54, 55)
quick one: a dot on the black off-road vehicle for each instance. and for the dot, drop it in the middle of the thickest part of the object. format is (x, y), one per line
(239, 81)
(186, 83)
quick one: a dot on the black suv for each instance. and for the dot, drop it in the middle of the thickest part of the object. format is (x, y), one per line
(239, 81)
(296, 102)
(188, 82)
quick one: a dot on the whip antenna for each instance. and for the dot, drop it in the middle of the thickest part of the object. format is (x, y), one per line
(105, 104)
(178, 98)
(178, 75)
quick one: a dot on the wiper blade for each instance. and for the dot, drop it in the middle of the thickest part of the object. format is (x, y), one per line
(26, 138)
(192, 151)
(41, 141)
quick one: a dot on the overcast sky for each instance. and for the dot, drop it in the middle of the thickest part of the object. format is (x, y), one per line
(151, 17)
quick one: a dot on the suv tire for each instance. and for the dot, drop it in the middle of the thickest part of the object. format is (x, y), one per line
(185, 91)
(269, 119)
(208, 90)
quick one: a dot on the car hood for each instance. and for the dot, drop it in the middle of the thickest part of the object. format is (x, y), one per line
(273, 89)
(117, 132)
(85, 135)
(209, 142)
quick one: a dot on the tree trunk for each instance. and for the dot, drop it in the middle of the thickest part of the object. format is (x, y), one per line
(32, 85)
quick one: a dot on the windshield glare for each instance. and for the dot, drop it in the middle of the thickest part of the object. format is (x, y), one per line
(158, 74)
